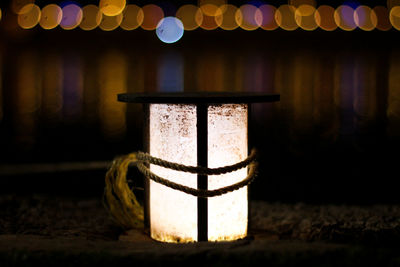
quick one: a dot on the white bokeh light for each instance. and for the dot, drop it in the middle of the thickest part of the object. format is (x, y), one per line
(169, 30)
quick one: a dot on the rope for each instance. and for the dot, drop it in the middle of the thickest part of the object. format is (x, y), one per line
(121, 202)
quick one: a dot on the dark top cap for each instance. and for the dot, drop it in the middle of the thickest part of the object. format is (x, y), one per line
(198, 97)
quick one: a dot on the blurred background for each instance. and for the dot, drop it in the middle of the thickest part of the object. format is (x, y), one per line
(333, 138)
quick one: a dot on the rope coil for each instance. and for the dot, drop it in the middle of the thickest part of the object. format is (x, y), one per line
(121, 202)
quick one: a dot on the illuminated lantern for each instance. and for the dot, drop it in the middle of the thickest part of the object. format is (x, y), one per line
(197, 129)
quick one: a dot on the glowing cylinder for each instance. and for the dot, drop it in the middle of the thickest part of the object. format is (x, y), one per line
(173, 137)
(207, 129)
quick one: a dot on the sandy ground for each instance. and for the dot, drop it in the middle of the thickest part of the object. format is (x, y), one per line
(48, 231)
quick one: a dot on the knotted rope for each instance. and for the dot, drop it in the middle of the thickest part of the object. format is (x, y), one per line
(121, 202)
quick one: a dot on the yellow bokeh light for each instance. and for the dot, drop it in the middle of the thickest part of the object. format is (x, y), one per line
(21, 6)
(109, 23)
(365, 18)
(268, 15)
(191, 16)
(152, 16)
(227, 17)
(395, 17)
(344, 18)
(91, 17)
(132, 17)
(112, 7)
(51, 16)
(28, 20)
(297, 3)
(382, 15)
(305, 17)
(249, 17)
(285, 17)
(210, 7)
(0, 13)
(324, 17)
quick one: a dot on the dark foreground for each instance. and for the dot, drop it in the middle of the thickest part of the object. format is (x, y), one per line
(48, 231)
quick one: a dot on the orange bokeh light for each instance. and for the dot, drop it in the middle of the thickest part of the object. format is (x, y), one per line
(324, 17)
(152, 16)
(305, 17)
(51, 17)
(382, 14)
(132, 17)
(285, 17)
(227, 18)
(91, 17)
(191, 17)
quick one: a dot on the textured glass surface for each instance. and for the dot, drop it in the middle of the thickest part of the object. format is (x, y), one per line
(173, 135)
(227, 144)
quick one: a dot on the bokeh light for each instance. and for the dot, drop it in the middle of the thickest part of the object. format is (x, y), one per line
(210, 7)
(51, 16)
(91, 17)
(344, 18)
(395, 17)
(227, 17)
(191, 16)
(29, 19)
(251, 17)
(169, 30)
(365, 18)
(285, 17)
(305, 17)
(382, 15)
(297, 3)
(152, 16)
(112, 7)
(324, 17)
(268, 17)
(21, 6)
(109, 23)
(132, 17)
(0, 13)
(71, 17)
(210, 22)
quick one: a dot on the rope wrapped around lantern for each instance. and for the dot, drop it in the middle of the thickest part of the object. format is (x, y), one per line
(121, 202)
(196, 165)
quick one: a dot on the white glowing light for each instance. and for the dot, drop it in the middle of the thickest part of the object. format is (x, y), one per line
(173, 137)
(169, 30)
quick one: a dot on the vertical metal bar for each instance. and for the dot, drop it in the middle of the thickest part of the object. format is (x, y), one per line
(202, 180)
(146, 148)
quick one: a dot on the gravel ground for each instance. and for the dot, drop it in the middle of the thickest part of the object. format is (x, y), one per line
(52, 231)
